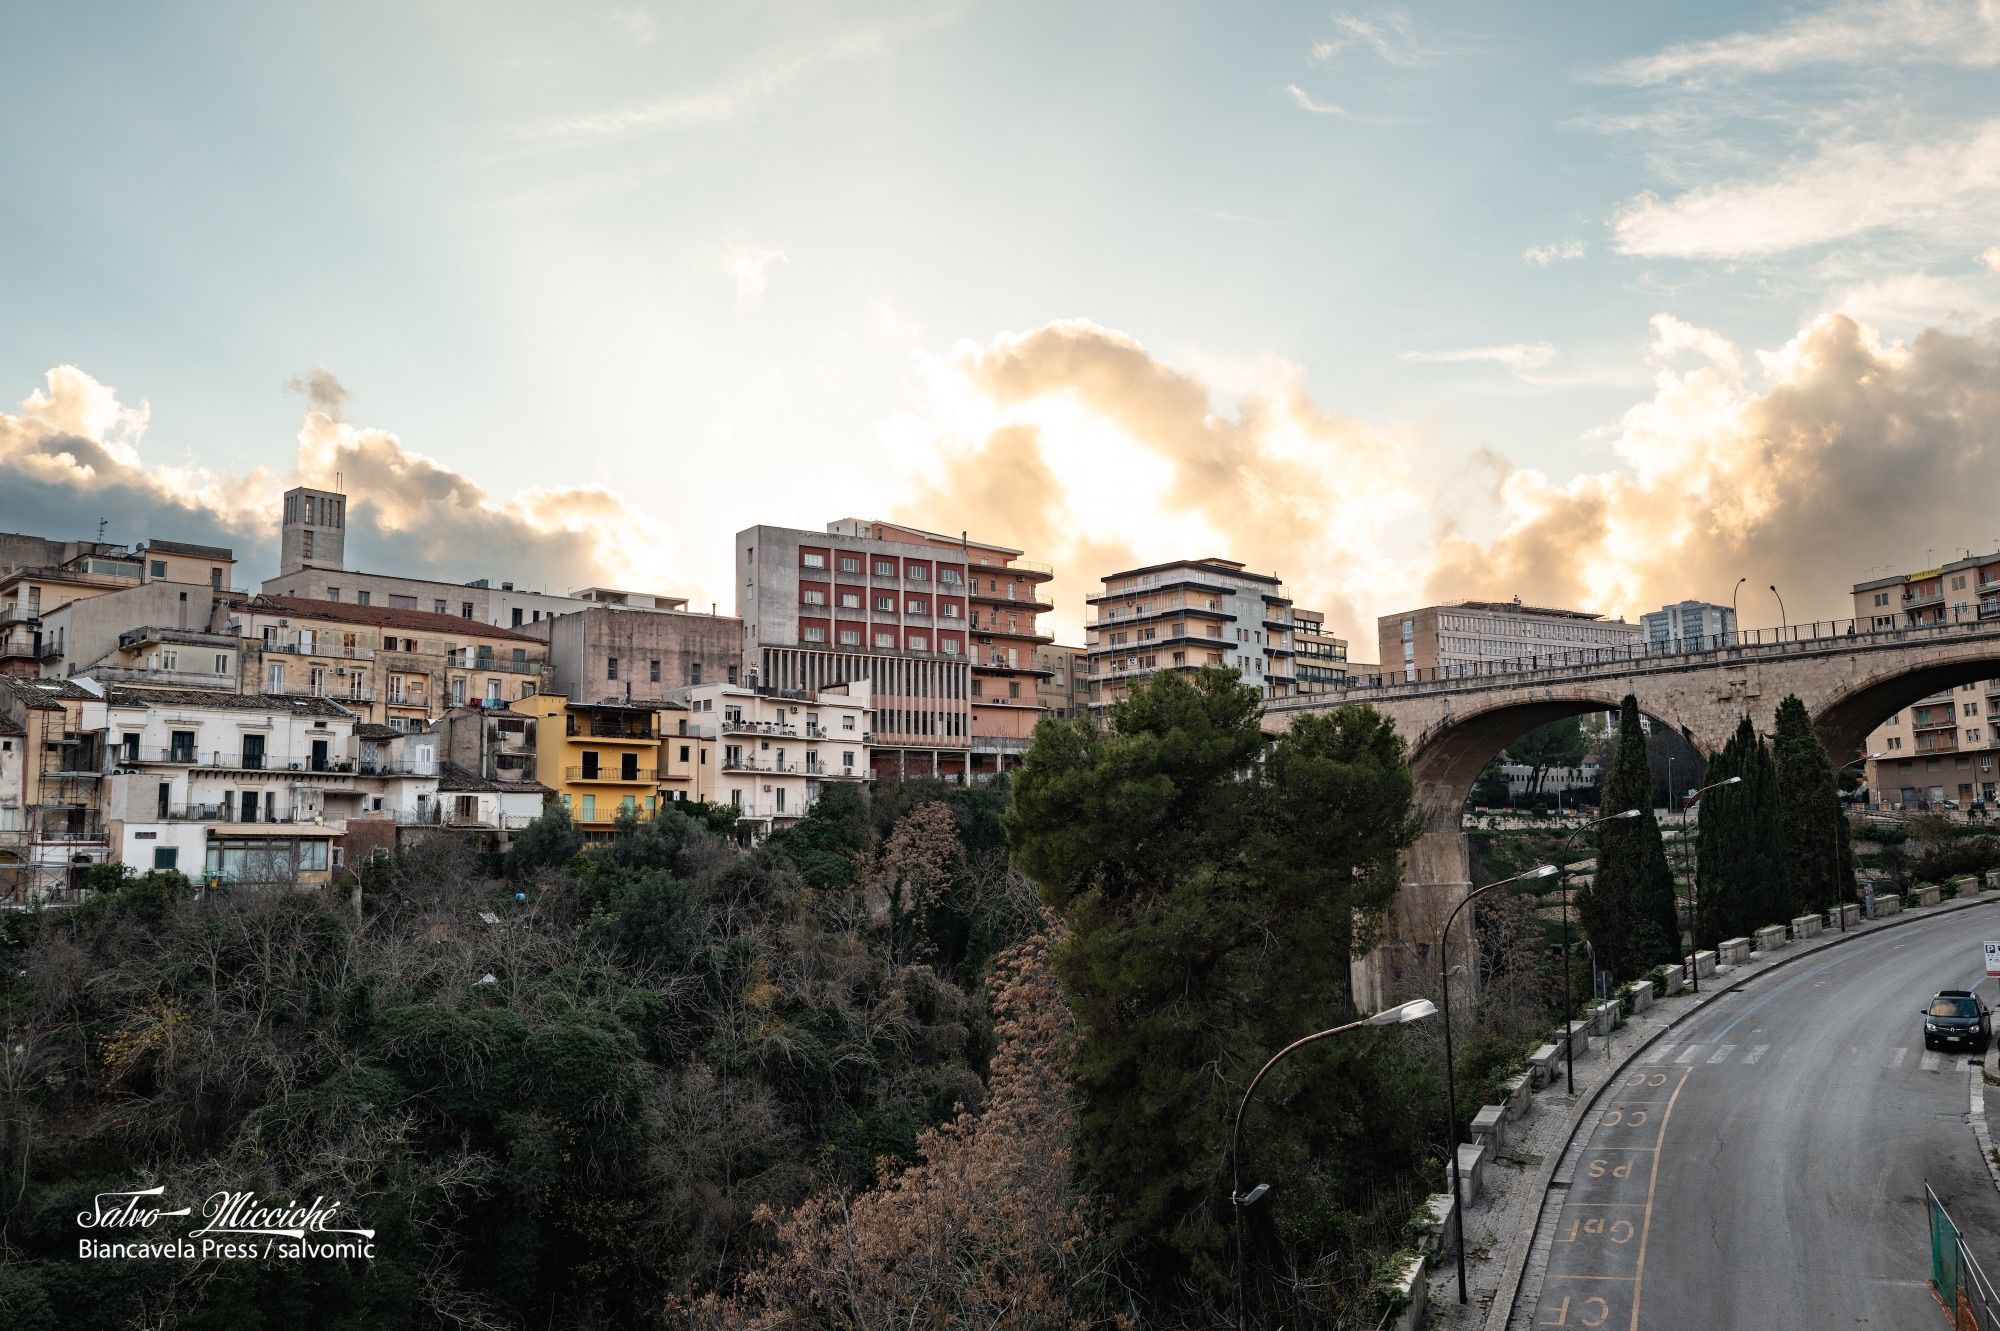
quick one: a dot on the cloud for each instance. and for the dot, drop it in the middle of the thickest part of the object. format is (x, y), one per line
(1952, 32)
(1390, 35)
(749, 267)
(1991, 258)
(1544, 255)
(72, 455)
(1513, 355)
(323, 390)
(637, 24)
(1307, 102)
(1936, 186)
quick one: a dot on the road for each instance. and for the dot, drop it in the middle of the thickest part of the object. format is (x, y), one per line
(1763, 1163)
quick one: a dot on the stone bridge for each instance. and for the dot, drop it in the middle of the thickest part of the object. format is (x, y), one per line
(1849, 678)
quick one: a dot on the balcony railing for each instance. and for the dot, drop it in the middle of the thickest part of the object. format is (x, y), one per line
(1923, 598)
(742, 764)
(1937, 744)
(609, 730)
(332, 650)
(331, 691)
(504, 665)
(375, 767)
(1945, 722)
(231, 760)
(643, 776)
(19, 614)
(1018, 565)
(233, 814)
(68, 834)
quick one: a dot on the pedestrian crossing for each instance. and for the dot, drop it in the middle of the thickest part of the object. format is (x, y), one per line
(1745, 1055)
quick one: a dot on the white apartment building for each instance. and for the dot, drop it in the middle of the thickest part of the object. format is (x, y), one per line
(240, 787)
(1688, 626)
(1471, 637)
(1185, 615)
(772, 751)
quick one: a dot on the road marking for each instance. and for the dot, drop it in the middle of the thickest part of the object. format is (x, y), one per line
(1659, 1051)
(1652, 1182)
(1687, 1055)
(1930, 1062)
(1787, 1054)
(1756, 1053)
(1634, 1205)
(1621, 1279)
(1722, 1053)
(1901, 1054)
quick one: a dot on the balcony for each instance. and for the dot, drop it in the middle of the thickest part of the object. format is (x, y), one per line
(340, 692)
(739, 726)
(83, 833)
(618, 776)
(1947, 743)
(181, 679)
(506, 666)
(230, 761)
(19, 614)
(230, 814)
(1028, 566)
(1911, 599)
(611, 728)
(380, 767)
(335, 651)
(76, 766)
(1933, 721)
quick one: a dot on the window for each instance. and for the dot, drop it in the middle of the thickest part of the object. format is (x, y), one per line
(307, 545)
(611, 667)
(917, 573)
(920, 642)
(274, 679)
(886, 604)
(694, 672)
(397, 602)
(333, 593)
(653, 671)
(812, 561)
(812, 598)
(885, 568)
(814, 633)
(949, 609)
(850, 637)
(918, 606)
(847, 722)
(850, 600)
(465, 610)
(215, 579)
(949, 577)
(159, 568)
(949, 646)
(731, 672)
(1014, 686)
(684, 753)
(221, 664)
(1968, 708)
(1972, 735)
(170, 660)
(885, 640)
(517, 616)
(850, 563)
(1895, 741)
(437, 606)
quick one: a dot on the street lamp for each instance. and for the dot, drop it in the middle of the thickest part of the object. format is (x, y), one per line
(1415, 1010)
(1569, 1047)
(1735, 616)
(1694, 890)
(1840, 899)
(1781, 611)
(1450, 1077)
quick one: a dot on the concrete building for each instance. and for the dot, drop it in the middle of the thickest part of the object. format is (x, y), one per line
(597, 758)
(943, 629)
(1187, 614)
(13, 811)
(171, 657)
(770, 752)
(62, 795)
(1688, 626)
(1064, 686)
(390, 666)
(610, 654)
(243, 788)
(1942, 747)
(312, 531)
(1465, 637)
(43, 605)
(1322, 657)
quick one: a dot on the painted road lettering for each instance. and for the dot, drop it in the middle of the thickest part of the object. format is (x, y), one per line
(1591, 1311)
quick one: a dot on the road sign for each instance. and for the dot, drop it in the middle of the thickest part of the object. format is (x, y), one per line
(1993, 957)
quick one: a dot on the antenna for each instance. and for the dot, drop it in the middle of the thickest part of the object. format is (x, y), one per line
(100, 529)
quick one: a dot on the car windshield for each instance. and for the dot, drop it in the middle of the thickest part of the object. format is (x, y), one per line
(1954, 1007)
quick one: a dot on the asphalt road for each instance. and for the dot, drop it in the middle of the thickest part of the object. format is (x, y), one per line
(1763, 1163)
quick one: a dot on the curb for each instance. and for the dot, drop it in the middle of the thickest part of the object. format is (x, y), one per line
(1500, 1313)
(1980, 1133)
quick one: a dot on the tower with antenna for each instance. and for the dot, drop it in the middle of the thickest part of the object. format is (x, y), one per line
(313, 530)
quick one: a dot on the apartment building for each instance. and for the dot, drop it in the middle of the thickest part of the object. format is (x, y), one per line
(1185, 615)
(610, 654)
(1322, 658)
(96, 631)
(234, 788)
(1942, 747)
(1064, 684)
(489, 770)
(390, 666)
(769, 753)
(61, 797)
(943, 630)
(598, 759)
(13, 813)
(38, 600)
(1468, 637)
(1688, 626)
(312, 538)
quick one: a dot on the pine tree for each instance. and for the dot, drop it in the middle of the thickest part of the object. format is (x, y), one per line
(1629, 913)
(1817, 854)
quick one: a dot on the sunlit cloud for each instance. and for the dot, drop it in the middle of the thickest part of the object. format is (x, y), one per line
(1544, 255)
(749, 267)
(1305, 101)
(1390, 35)
(1953, 32)
(1512, 356)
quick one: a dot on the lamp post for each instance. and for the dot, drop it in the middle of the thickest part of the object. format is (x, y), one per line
(1735, 617)
(1694, 892)
(1569, 1046)
(1415, 1010)
(1840, 898)
(1781, 611)
(1450, 1077)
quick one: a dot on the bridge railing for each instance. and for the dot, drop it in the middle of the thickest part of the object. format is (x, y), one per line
(1815, 636)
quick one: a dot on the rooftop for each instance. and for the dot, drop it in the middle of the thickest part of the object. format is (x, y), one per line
(1226, 567)
(1514, 607)
(379, 616)
(138, 695)
(457, 780)
(216, 552)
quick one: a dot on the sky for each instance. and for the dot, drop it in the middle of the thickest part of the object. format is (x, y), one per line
(1597, 305)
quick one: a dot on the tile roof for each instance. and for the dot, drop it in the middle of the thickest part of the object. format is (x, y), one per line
(380, 616)
(137, 695)
(196, 551)
(369, 730)
(457, 780)
(45, 694)
(9, 726)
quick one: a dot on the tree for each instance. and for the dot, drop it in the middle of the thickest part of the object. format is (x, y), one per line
(1629, 912)
(1557, 744)
(1740, 867)
(548, 842)
(1818, 855)
(1212, 901)
(1490, 791)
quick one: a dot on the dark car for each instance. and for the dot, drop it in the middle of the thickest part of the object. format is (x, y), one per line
(1957, 1016)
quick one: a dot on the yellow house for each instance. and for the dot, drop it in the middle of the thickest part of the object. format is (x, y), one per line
(598, 757)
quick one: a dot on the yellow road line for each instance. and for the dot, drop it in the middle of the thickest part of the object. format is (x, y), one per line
(1652, 1182)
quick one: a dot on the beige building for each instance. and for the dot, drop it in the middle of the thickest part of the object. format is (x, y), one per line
(1063, 688)
(1322, 657)
(1470, 637)
(62, 766)
(1941, 748)
(770, 752)
(610, 654)
(42, 605)
(1188, 614)
(401, 668)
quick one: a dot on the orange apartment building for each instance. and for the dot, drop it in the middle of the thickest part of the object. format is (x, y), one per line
(943, 629)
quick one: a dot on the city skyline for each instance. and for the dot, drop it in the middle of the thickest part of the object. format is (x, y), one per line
(1113, 291)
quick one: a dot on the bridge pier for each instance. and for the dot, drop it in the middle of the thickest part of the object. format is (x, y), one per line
(1436, 875)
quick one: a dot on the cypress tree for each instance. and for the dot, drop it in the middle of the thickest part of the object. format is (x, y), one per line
(1741, 873)
(1629, 913)
(1817, 854)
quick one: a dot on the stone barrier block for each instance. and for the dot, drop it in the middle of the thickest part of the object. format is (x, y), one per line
(1642, 995)
(1520, 1097)
(1968, 887)
(1771, 936)
(1993, 878)
(1704, 964)
(1412, 1283)
(1579, 1038)
(1733, 951)
(1440, 1223)
(1489, 1129)
(1604, 1018)
(1545, 1064)
(1927, 896)
(1888, 905)
(1675, 982)
(1806, 926)
(1852, 912)
(1471, 1174)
